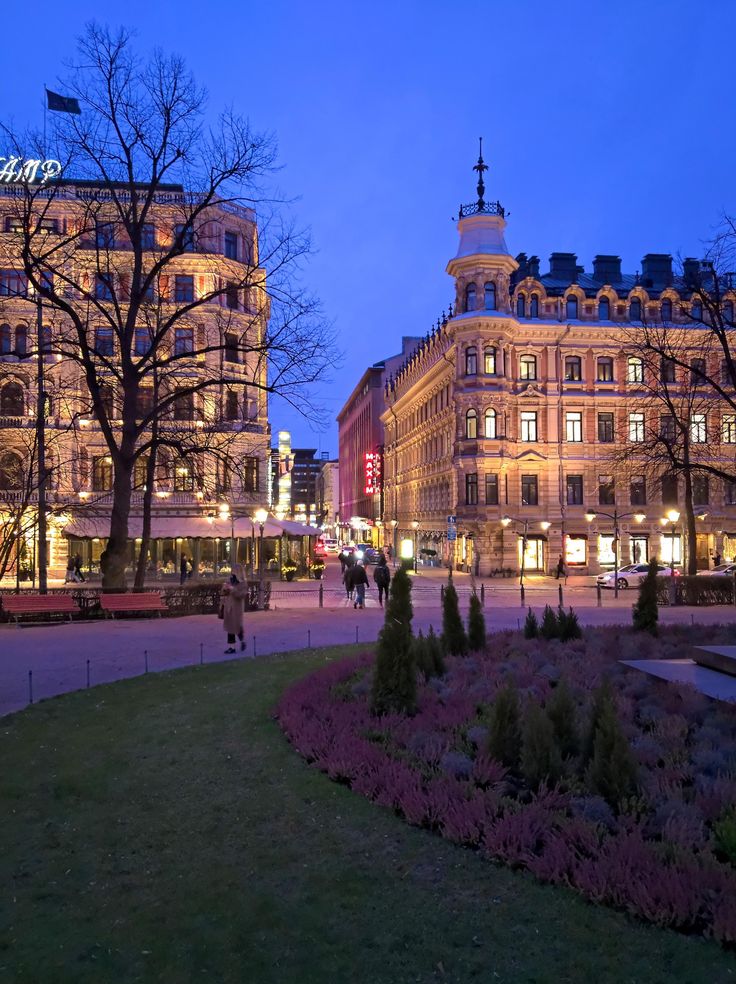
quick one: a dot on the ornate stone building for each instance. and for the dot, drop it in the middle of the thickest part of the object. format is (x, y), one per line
(200, 501)
(518, 405)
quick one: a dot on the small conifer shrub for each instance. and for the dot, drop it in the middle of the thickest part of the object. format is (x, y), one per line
(602, 699)
(550, 627)
(454, 640)
(645, 613)
(531, 625)
(569, 626)
(394, 677)
(562, 712)
(540, 757)
(476, 625)
(434, 652)
(504, 733)
(612, 771)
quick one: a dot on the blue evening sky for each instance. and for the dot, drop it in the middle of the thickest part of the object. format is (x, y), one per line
(609, 127)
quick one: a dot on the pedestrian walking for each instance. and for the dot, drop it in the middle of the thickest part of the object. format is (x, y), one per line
(183, 569)
(560, 567)
(78, 567)
(382, 577)
(232, 597)
(359, 581)
(716, 559)
(347, 580)
(71, 574)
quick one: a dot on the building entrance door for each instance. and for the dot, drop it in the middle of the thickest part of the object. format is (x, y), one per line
(533, 555)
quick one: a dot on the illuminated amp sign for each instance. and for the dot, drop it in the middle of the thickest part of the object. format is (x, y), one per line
(19, 170)
(372, 471)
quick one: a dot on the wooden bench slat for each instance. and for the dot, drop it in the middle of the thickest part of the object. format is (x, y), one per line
(149, 601)
(60, 604)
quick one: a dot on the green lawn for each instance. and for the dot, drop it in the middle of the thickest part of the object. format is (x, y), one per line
(161, 829)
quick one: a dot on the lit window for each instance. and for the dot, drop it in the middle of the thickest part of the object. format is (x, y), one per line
(605, 369)
(489, 296)
(636, 427)
(729, 428)
(698, 428)
(635, 370)
(528, 425)
(489, 361)
(471, 424)
(183, 476)
(574, 426)
(490, 423)
(471, 361)
(528, 367)
(102, 474)
(573, 369)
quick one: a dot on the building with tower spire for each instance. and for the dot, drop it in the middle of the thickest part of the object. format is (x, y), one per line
(511, 415)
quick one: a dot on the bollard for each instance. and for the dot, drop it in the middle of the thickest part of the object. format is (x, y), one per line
(309, 638)
(559, 592)
(87, 674)
(521, 589)
(692, 619)
(30, 686)
(356, 633)
(254, 645)
(442, 594)
(518, 623)
(201, 653)
(145, 657)
(599, 595)
(483, 595)
(321, 596)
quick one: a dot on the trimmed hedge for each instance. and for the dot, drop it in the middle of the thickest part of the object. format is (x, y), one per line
(697, 589)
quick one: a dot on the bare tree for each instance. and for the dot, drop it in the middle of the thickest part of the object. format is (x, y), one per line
(144, 152)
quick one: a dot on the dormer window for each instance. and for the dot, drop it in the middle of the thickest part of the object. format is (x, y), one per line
(697, 311)
(489, 295)
(667, 310)
(635, 309)
(520, 307)
(470, 297)
(571, 308)
(728, 311)
(604, 309)
(534, 307)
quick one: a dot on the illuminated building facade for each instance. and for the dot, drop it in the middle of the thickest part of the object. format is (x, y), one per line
(519, 403)
(197, 498)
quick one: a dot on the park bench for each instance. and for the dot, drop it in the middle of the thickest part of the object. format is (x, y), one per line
(55, 604)
(117, 604)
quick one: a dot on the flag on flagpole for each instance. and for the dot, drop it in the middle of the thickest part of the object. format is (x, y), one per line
(61, 104)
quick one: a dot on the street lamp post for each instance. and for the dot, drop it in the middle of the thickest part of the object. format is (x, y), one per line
(672, 517)
(506, 521)
(261, 515)
(394, 524)
(415, 527)
(591, 515)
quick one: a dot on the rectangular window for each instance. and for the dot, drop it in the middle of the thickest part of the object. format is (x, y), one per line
(104, 341)
(232, 297)
(184, 288)
(605, 369)
(636, 427)
(667, 370)
(183, 340)
(574, 426)
(697, 372)
(231, 405)
(183, 407)
(573, 369)
(13, 283)
(528, 367)
(103, 287)
(635, 370)
(183, 476)
(528, 425)
(471, 489)
(102, 474)
(698, 428)
(574, 490)
(606, 490)
(669, 490)
(105, 235)
(667, 427)
(605, 428)
(529, 490)
(491, 490)
(576, 549)
(186, 236)
(250, 474)
(638, 491)
(729, 493)
(148, 235)
(144, 402)
(701, 490)
(141, 341)
(231, 245)
(231, 348)
(489, 361)
(728, 431)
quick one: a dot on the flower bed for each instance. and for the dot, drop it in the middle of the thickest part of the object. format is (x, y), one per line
(665, 854)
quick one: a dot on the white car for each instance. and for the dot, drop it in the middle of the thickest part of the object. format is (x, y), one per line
(632, 575)
(725, 570)
(331, 546)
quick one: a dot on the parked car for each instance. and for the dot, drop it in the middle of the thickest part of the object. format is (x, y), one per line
(632, 575)
(331, 546)
(367, 553)
(727, 570)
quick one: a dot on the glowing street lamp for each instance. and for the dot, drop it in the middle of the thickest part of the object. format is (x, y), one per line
(637, 516)
(415, 527)
(672, 516)
(507, 521)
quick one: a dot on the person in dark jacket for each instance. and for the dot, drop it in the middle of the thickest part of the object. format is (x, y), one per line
(359, 581)
(382, 577)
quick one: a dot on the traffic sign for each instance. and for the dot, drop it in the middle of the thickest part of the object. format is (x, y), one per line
(451, 520)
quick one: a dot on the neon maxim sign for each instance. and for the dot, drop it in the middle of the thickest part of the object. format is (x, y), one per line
(17, 170)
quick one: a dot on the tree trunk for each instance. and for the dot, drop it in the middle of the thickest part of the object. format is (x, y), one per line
(691, 540)
(115, 556)
(140, 573)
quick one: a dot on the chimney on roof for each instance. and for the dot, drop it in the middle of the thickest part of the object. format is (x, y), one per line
(523, 270)
(656, 270)
(691, 272)
(534, 267)
(563, 266)
(607, 268)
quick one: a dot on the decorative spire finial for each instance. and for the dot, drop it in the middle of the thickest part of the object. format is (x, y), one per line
(480, 167)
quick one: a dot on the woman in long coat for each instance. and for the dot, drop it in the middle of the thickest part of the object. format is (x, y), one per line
(232, 597)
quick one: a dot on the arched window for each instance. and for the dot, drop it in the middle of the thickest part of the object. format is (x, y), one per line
(634, 370)
(470, 297)
(184, 475)
(534, 307)
(490, 423)
(635, 309)
(573, 368)
(489, 296)
(571, 308)
(604, 309)
(605, 369)
(696, 312)
(471, 424)
(666, 310)
(528, 367)
(102, 473)
(520, 306)
(6, 340)
(21, 341)
(11, 400)
(728, 310)
(471, 361)
(489, 361)
(11, 471)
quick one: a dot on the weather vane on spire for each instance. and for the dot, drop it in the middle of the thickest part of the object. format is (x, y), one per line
(480, 167)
